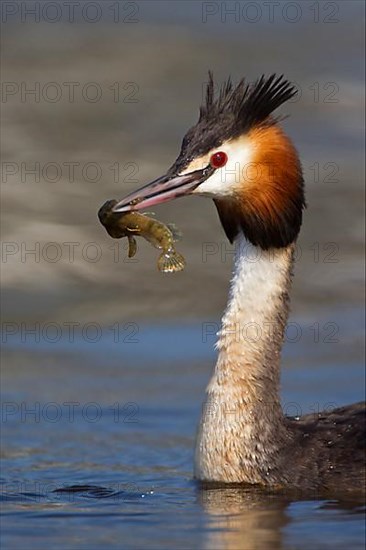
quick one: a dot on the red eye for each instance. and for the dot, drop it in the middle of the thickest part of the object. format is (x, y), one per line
(218, 160)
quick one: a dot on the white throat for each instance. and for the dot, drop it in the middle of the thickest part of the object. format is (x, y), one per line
(241, 423)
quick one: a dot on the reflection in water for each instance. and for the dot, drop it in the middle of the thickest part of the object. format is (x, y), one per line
(253, 519)
(247, 519)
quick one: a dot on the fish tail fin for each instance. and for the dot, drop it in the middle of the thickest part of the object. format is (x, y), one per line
(171, 261)
(177, 234)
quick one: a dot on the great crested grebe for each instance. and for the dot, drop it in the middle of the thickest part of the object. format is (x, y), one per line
(239, 156)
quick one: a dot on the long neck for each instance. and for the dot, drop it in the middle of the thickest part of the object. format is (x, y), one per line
(242, 428)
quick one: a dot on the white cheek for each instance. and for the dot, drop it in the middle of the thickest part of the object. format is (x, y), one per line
(226, 180)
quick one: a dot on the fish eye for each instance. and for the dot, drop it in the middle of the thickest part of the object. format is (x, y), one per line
(219, 159)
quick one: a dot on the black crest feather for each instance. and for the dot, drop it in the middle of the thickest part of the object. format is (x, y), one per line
(232, 112)
(250, 104)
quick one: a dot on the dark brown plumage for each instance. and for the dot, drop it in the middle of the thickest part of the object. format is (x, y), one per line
(327, 451)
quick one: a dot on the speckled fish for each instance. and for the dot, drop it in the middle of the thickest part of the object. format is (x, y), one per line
(134, 224)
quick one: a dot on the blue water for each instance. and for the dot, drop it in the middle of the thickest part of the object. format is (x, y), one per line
(98, 447)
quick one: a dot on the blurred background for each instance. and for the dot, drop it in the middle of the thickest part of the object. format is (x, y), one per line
(95, 99)
(110, 104)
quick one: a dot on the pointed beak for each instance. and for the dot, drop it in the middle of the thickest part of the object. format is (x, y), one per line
(163, 189)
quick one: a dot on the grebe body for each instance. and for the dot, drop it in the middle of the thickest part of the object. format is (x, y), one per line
(238, 155)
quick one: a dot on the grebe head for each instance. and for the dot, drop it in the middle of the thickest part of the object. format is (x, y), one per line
(239, 156)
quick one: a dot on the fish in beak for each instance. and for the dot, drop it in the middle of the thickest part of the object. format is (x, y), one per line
(163, 189)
